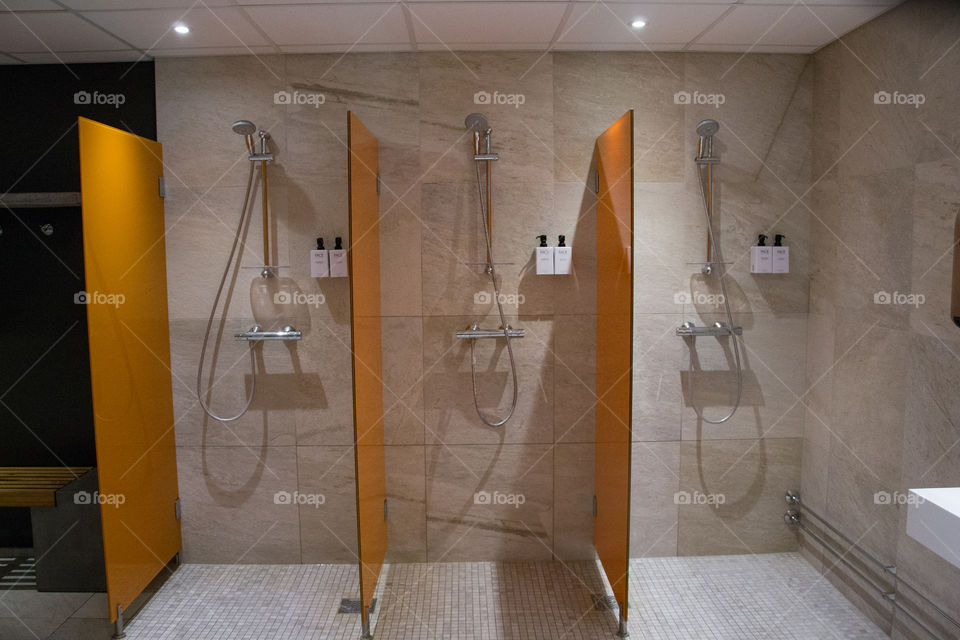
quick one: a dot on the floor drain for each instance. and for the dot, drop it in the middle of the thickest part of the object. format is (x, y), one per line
(352, 605)
(604, 603)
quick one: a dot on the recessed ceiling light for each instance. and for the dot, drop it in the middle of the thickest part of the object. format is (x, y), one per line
(181, 28)
(639, 23)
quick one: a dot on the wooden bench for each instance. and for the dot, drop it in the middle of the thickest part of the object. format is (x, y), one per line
(67, 534)
(35, 486)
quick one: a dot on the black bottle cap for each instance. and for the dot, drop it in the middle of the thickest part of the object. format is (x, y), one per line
(543, 240)
(319, 244)
(338, 243)
(778, 239)
(762, 241)
(562, 240)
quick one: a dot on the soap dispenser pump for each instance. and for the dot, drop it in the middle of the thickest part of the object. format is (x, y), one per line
(544, 258)
(781, 255)
(338, 259)
(319, 261)
(562, 258)
(761, 256)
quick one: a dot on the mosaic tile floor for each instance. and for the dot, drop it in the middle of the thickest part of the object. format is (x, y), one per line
(769, 597)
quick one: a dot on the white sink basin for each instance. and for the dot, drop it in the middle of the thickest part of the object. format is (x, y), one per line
(933, 519)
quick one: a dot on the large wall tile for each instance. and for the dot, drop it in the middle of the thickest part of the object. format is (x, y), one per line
(328, 526)
(407, 507)
(230, 514)
(488, 502)
(751, 475)
(654, 512)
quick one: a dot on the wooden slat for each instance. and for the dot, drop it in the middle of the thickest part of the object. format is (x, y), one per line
(35, 486)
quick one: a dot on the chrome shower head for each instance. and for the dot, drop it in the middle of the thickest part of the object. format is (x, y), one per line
(707, 128)
(476, 122)
(244, 128)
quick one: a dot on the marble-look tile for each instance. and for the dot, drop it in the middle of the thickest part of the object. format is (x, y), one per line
(453, 249)
(871, 258)
(323, 382)
(932, 416)
(869, 397)
(766, 102)
(658, 366)
(489, 501)
(380, 89)
(401, 234)
(402, 346)
(522, 134)
(227, 383)
(28, 628)
(751, 475)
(328, 525)
(230, 513)
(198, 98)
(654, 512)
(200, 226)
(407, 515)
(573, 481)
(935, 211)
(772, 351)
(575, 217)
(575, 381)
(450, 414)
(853, 505)
(820, 360)
(593, 89)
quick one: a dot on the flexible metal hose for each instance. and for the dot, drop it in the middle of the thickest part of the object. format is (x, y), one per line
(718, 259)
(503, 320)
(213, 312)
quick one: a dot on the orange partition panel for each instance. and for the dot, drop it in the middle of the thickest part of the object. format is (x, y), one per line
(611, 533)
(364, 260)
(126, 295)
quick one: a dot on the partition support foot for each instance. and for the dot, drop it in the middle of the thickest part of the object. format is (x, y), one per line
(118, 631)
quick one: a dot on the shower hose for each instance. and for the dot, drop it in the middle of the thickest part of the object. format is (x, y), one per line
(213, 311)
(726, 303)
(503, 320)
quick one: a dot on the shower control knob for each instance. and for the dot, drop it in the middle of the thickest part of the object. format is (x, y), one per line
(47, 229)
(687, 325)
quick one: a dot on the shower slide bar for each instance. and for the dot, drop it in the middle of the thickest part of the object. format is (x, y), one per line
(474, 332)
(48, 200)
(256, 334)
(793, 517)
(717, 329)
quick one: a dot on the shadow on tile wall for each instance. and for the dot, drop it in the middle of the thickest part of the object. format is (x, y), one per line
(298, 434)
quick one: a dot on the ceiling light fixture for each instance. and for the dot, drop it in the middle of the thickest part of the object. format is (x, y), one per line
(639, 23)
(181, 28)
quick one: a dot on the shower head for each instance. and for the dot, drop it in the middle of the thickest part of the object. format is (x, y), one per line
(476, 122)
(244, 127)
(705, 129)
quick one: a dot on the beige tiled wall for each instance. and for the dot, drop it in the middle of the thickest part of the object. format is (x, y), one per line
(882, 412)
(298, 433)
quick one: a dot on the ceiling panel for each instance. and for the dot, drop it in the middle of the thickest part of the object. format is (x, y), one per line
(109, 5)
(788, 25)
(29, 5)
(152, 28)
(127, 55)
(605, 23)
(486, 22)
(40, 32)
(363, 22)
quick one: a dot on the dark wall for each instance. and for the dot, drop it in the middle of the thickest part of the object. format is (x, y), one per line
(46, 417)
